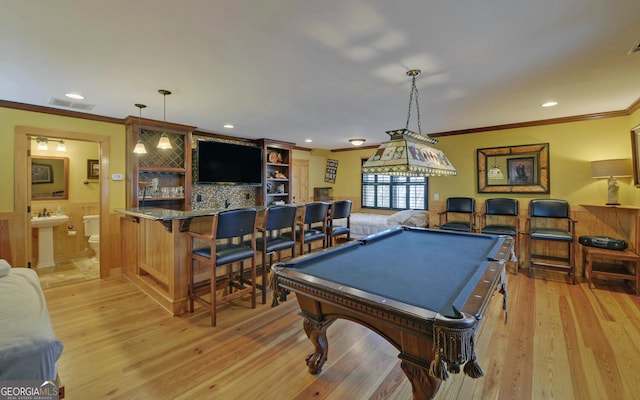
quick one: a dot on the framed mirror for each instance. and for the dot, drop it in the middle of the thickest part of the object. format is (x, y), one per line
(49, 178)
(635, 155)
(515, 169)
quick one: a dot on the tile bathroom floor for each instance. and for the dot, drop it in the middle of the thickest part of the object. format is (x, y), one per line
(69, 271)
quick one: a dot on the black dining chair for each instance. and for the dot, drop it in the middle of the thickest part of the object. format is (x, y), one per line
(549, 222)
(502, 217)
(277, 220)
(219, 250)
(459, 214)
(340, 209)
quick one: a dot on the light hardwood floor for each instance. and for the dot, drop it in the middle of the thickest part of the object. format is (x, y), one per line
(560, 342)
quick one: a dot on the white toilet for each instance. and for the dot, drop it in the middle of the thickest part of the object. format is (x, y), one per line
(92, 231)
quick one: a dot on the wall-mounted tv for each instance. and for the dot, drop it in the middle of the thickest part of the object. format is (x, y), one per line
(228, 163)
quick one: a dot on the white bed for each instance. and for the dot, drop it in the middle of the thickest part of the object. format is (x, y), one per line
(29, 349)
(365, 224)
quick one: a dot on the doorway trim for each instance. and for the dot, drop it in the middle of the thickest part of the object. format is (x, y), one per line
(22, 190)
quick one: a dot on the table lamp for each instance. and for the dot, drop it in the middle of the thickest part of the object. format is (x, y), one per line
(611, 169)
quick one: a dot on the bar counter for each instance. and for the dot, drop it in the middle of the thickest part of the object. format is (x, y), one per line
(155, 248)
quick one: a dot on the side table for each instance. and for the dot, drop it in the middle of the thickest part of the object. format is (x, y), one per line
(628, 271)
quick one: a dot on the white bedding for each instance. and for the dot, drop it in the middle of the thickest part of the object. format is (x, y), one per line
(365, 224)
(29, 349)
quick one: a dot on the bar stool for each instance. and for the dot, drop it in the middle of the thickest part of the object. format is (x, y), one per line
(462, 208)
(224, 246)
(501, 217)
(272, 239)
(312, 225)
(550, 221)
(340, 209)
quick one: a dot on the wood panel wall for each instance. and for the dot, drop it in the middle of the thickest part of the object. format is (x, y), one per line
(596, 220)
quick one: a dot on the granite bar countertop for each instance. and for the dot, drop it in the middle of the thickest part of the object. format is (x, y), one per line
(165, 214)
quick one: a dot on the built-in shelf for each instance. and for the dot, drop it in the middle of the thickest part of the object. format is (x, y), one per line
(620, 222)
(277, 169)
(171, 168)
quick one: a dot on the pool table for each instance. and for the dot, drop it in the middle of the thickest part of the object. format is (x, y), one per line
(423, 290)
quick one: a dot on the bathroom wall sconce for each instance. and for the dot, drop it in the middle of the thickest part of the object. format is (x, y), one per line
(357, 141)
(43, 143)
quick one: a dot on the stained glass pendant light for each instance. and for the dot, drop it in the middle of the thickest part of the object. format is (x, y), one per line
(408, 153)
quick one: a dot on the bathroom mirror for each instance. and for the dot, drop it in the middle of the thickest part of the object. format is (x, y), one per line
(49, 178)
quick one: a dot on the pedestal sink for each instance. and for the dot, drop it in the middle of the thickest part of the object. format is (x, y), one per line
(45, 238)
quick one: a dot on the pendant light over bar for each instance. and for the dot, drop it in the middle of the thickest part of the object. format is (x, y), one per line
(140, 149)
(408, 153)
(164, 142)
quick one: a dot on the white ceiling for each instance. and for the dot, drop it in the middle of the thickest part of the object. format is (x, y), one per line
(327, 70)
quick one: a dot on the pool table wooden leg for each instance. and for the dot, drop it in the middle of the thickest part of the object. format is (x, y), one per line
(317, 332)
(423, 385)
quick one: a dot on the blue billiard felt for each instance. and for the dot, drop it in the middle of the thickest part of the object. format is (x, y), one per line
(431, 269)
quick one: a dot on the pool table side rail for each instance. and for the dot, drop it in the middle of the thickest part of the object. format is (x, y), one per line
(388, 309)
(353, 299)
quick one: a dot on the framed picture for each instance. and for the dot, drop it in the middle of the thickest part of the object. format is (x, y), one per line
(635, 153)
(331, 171)
(93, 169)
(520, 171)
(41, 173)
(514, 169)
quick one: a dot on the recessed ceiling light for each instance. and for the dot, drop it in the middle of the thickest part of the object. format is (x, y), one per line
(308, 140)
(75, 96)
(550, 104)
(229, 126)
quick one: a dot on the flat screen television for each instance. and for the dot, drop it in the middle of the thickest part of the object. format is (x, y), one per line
(228, 163)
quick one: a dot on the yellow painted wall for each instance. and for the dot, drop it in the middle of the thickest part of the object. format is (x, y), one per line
(10, 118)
(572, 147)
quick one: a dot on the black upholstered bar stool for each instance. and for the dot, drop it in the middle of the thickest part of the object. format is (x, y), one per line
(312, 225)
(340, 209)
(277, 220)
(550, 221)
(459, 215)
(501, 217)
(222, 248)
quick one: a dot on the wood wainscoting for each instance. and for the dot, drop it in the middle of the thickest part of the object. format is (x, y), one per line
(620, 222)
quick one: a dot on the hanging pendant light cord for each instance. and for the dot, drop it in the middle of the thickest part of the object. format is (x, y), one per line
(414, 90)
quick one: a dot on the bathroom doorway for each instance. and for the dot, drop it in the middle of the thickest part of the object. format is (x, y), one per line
(91, 198)
(65, 190)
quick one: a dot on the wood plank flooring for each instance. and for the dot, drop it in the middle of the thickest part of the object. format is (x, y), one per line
(560, 342)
